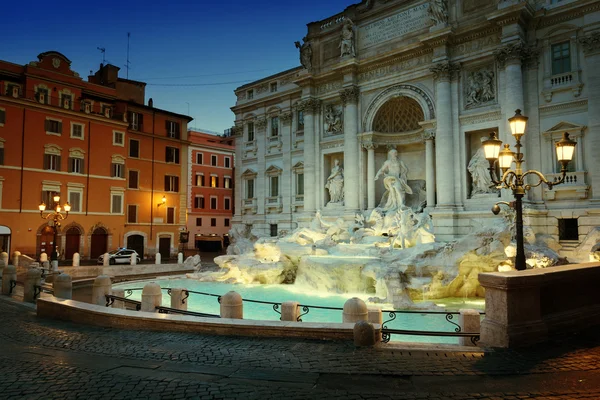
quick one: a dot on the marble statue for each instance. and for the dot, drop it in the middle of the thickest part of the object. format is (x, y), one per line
(305, 53)
(347, 41)
(333, 120)
(480, 174)
(438, 11)
(335, 183)
(394, 174)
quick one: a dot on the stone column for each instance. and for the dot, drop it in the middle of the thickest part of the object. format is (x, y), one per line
(370, 174)
(33, 281)
(591, 50)
(63, 287)
(106, 260)
(428, 136)
(9, 273)
(157, 259)
(102, 286)
(76, 259)
(351, 193)
(444, 150)
(290, 311)
(309, 107)
(232, 305)
(179, 299)
(355, 310)
(261, 187)
(151, 297)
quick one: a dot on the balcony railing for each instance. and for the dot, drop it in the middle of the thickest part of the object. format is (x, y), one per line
(562, 79)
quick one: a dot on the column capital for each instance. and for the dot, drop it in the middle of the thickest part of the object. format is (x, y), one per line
(350, 95)
(429, 134)
(309, 105)
(237, 131)
(516, 52)
(261, 123)
(286, 118)
(369, 145)
(445, 70)
(590, 43)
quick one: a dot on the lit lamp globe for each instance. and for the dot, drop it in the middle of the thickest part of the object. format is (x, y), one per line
(565, 148)
(517, 124)
(56, 198)
(42, 207)
(505, 158)
(67, 208)
(491, 147)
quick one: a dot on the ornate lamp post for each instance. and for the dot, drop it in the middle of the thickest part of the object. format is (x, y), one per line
(514, 179)
(56, 216)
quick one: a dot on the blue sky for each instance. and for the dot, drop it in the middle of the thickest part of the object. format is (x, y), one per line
(172, 42)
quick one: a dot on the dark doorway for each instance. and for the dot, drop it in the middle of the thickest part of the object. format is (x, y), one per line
(47, 240)
(136, 242)
(164, 248)
(72, 243)
(99, 243)
(5, 239)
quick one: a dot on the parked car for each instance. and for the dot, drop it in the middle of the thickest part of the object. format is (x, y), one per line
(120, 256)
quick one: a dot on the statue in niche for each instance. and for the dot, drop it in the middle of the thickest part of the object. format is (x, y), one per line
(335, 183)
(480, 88)
(347, 41)
(333, 120)
(438, 11)
(394, 174)
(305, 53)
(480, 174)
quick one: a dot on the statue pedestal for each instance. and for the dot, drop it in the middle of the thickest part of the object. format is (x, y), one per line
(334, 209)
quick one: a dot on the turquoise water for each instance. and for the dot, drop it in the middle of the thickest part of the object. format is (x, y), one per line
(281, 293)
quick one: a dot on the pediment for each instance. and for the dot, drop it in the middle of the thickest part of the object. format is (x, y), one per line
(565, 126)
(56, 62)
(249, 173)
(298, 165)
(273, 170)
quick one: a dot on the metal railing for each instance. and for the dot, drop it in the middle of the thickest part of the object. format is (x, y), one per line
(110, 299)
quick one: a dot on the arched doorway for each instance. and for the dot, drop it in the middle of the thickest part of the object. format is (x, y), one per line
(99, 242)
(5, 239)
(73, 238)
(136, 242)
(46, 243)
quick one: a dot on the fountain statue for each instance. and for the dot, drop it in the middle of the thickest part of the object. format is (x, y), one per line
(394, 174)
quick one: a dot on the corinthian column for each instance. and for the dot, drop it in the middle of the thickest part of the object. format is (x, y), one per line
(349, 98)
(428, 136)
(309, 107)
(370, 147)
(444, 150)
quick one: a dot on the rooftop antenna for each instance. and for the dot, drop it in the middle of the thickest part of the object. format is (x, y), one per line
(103, 51)
(127, 64)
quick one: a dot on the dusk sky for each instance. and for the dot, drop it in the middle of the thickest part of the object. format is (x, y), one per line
(194, 47)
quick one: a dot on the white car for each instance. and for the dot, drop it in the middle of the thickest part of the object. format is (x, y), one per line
(121, 256)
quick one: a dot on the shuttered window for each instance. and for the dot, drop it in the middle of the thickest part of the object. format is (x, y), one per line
(171, 183)
(2, 116)
(172, 155)
(76, 165)
(170, 215)
(53, 126)
(117, 170)
(173, 130)
(132, 213)
(116, 204)
(75, 201)
(134, 148)
(133, 179)
(51, 162)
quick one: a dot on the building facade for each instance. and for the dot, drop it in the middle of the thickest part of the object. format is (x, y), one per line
(210, 190)
(83, 140)
(429, 79)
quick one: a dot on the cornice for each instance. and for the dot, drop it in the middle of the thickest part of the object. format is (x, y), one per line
(556, 16)
(517, 13)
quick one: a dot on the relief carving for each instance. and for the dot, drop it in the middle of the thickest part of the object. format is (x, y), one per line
(591, 42)
(333, 119)
(438, 12)
(480, 87)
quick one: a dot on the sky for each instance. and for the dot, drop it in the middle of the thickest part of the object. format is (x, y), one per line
(192, 54)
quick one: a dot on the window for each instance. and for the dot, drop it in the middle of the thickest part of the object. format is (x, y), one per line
(1, 155)
(199, 180)
(300, 184)
(274, 186)
(116, 203)
(134, 148)
(213, 222)
(227, 203)
(118, 138)
(199, 159)
(66, 101)
(199, 202)
(77, 131)
(198, 221)
(170, 215)
(76, 165)
(171, 183)
(561, 58)
(568, 229)
(2, 116)
(214, 181)
(47, 198)
(53, 127)
(273, 230)
(131, 214)
(172, 129)
(213, 160)
(134, 177)
(273, 87)
(250, 131)
(300, 120)
(51, 162)
(213, 203)
(75, 200)
(106, 110)
(275, 126)
(117, 170)
(136, 121)
(227, 162)
(41, 94)
(172, 155)
(250, 189)
(227, 183)
(226, 222)
(250, 94)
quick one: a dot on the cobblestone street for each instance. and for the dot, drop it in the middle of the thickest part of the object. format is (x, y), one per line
(44, 359)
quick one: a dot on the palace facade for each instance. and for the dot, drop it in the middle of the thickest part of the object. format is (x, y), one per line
(429, 79)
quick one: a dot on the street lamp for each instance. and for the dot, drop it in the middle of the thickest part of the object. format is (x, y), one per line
(56, 215)
(515, 179)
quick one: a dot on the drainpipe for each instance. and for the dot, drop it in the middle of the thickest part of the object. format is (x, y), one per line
(152, 179)
(22, 161)
(87, 185)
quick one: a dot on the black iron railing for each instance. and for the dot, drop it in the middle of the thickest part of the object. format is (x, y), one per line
(110, 299)
(13, 284)
(168, 310)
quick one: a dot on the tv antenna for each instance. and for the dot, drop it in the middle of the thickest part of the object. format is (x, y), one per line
(128, 64)
(103, 51)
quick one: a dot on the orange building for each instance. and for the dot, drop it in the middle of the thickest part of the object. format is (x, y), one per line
(210, 203)
(86, 141)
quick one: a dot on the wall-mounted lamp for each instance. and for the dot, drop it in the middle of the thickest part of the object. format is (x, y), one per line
(163, 201)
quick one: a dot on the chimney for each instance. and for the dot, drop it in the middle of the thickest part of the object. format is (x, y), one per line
(150, 102)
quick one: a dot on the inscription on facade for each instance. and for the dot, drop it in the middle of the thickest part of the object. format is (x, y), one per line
(394, 68)
(475, 45)
(328, 87)
(394, 26)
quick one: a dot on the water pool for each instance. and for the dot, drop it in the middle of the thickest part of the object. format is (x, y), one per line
(281, 293)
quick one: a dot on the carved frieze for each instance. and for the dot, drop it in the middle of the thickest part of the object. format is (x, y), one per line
(479, 87)
(474, 46)
(394, 68)
(261, 123)
(445, 70)
(590, 43)
(262, 88)
(350, 95)
(480, 118)
(332, 144)
(329, 87)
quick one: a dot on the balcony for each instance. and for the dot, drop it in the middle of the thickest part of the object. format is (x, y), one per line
(249, 206)
(573, 188)
(568, 81)
(273, 205)
(274, 144)
(249, 149)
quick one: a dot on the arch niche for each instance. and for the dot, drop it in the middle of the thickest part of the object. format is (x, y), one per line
(72, 240)
(98, 241)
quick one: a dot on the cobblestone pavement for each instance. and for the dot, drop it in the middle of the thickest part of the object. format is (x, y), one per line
(46, 359)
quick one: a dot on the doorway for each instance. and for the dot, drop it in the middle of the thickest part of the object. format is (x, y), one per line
(164, 248)
(73, 237)
(46, 244)
(136, 242)
(5, 239)
(99, 242)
